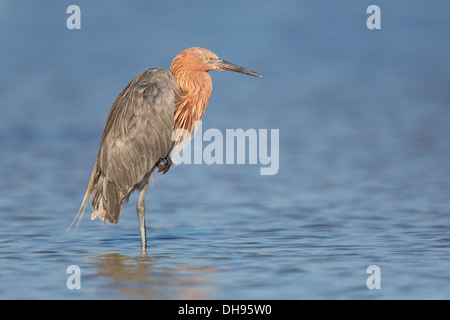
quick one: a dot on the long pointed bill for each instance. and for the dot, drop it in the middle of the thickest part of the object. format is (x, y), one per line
(224, 65)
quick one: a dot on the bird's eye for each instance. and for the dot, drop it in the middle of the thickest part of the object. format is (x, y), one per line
(205, 58)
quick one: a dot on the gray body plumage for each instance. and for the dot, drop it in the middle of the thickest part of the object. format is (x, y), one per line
(137, 135)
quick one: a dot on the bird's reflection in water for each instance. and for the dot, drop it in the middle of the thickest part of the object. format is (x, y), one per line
(154, 277)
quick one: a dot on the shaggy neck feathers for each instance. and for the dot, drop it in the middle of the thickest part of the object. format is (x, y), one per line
(196, 89)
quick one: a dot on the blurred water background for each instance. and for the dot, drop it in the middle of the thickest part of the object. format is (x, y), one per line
(364, 124)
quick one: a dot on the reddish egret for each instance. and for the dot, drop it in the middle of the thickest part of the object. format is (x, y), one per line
(137, 134)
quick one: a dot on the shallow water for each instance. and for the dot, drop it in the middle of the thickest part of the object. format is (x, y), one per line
(364, 153)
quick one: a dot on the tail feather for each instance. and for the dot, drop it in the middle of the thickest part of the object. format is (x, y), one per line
(113, 205)
(87, 197)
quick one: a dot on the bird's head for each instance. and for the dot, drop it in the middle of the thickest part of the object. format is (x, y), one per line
(199, 59)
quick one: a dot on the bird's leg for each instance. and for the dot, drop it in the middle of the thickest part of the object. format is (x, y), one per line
(140, 208)
(164, 164)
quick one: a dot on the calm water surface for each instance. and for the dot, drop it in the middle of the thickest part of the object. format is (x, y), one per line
(364, 124)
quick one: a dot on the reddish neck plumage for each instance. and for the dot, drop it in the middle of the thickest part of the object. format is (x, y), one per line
(192, 101)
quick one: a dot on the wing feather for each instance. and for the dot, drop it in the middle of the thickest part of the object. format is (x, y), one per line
(137, 134)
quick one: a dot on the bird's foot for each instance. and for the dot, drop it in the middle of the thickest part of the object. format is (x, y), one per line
(164, 164)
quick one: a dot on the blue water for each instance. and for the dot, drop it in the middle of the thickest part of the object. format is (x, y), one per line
(364, 124)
